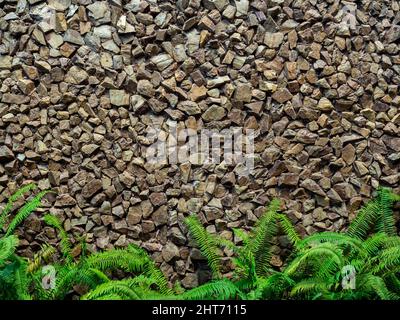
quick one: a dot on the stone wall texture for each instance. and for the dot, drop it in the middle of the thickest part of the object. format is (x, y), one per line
(82, 82)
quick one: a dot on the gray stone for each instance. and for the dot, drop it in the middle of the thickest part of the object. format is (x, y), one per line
(74, 37)
(312, 186)
(119, 97)
(6, 153)
(170, 252)
(214, 113)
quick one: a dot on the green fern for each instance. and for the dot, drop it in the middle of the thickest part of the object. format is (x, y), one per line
(312, 271)
(219, 290)
(65, 243)
(318, 252)
(25, 211)
(376, 285)
(207, 243)
(15, 278)
(43, 255)
(13, 198)
(288, 229)
(261, 237)
(378, 213)
(385, 222)
(7, 248)
(115, 289)
(308, 288)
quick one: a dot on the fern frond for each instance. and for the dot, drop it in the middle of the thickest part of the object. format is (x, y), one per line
(309, 288)
(394, 197)
(21, 280)
(375, 243)
(354, 245)
(65, 243)
(366, 216)
(18, 194)
(273, 287)
(375, 285)
(316, 256)
(43, 255)
(159, 279)
(261, 237)
(124, 259)
(377, 211)
(386, 222)
(220, 290)
(7, 247)
(132, 259)
(388, 259)
(25, 211)
(113, 288)
(241, 234)
(393, 283)
(289, 230)
(208, 245)
(327, 270)
(76, 274)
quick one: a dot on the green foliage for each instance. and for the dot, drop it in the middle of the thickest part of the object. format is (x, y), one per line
(22, 278)
(90, 272)
(252, 259)
(378, 214)
(132, 259)
(7, 248)
(219, 290)
(13, 198)
(40, 257)
(137, 288)
(260, 239)
(25, 211)
(315, 268)
(14, 277)
(65, 244)
(208, 244)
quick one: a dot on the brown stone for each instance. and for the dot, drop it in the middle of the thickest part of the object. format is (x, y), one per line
(92, 187)
(282, 95)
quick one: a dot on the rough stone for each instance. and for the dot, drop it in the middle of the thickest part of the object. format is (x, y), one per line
(214, 113)
(145, 88)
(92, 187)
(282, 95)
(243, 92)
(273, 39)
(312, 186)
(6, 153)
(158, 198)
(76, 75)
(119, 98)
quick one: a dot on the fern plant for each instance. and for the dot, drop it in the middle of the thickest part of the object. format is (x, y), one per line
(22, 278)
(252, 260)
(93, 273)
(370, 248)
(316, 268)
(14, 282)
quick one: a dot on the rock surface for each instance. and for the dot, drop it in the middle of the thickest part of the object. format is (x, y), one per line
(81, 83)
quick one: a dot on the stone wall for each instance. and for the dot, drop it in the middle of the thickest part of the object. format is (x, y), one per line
(82, 82)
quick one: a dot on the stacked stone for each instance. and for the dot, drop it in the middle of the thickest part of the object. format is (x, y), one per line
(82, 82)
